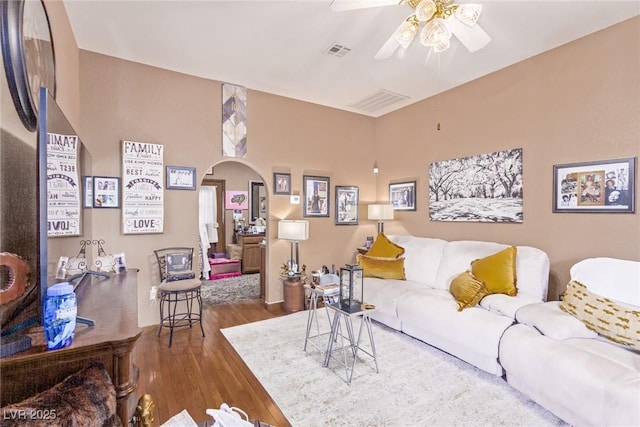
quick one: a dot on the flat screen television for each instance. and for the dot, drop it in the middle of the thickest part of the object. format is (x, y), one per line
(64, 172)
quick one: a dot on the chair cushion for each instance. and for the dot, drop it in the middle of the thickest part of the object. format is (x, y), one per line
(180, 285)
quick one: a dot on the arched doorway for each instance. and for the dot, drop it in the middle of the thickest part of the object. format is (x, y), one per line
(238, 236)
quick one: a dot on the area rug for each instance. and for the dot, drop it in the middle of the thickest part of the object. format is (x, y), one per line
(231, 289)
(417, 385)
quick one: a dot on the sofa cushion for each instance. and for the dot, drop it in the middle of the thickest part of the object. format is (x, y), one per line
(553, 322)
(532, 265)
(506, 305)
(616, 279)
(384, 294)
(497, 271)
(602, 315)
(383, 268)
(422, 256)
(385, 248)
(467, 290)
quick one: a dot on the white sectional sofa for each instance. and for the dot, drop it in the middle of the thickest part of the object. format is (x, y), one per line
(423, 307)
(580, 376)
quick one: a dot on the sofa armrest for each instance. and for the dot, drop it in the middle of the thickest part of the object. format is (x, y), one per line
(550, 321)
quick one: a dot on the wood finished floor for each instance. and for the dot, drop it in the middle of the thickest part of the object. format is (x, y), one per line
(199, 373)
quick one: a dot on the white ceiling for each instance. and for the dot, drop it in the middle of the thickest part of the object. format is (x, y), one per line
(279, 46)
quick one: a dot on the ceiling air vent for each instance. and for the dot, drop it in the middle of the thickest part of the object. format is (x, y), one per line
(337, 49)
(377, 101)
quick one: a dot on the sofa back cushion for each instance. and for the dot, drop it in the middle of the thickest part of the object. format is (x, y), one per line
(532, 265)
(612, 278)
(422, 256)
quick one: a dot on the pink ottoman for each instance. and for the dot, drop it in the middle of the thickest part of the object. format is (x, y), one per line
(222, 267)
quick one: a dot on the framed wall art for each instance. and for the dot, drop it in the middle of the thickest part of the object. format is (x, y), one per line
(87, 188)
(236, 200)
(402, 196)
(316, 196)
(181, 178)
(482, 188)
(282, 183)
(346, 205)
(598, 186)
(106, 192)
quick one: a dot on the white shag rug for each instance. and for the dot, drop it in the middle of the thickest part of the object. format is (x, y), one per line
(417, 385)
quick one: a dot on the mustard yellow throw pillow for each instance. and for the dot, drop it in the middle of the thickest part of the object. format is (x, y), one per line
(467, 290)
(382, 268)
(602, 315)
(497, 271)
(385, 248)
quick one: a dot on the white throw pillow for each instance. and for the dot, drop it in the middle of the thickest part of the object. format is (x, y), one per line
(553, 322)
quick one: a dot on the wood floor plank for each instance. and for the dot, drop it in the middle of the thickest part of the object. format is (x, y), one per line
(198, 373)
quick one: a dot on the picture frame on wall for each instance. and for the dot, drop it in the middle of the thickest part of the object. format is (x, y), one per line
(87, 189)
(347, 199)
(605, 186)
(181, 178)
(316, 196)
(281, 183)
(402, 195)
(106, 192)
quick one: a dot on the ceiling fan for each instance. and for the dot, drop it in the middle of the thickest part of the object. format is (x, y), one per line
(439, 20)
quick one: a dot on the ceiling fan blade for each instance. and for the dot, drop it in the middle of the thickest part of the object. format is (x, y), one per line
(473, 38)
(340, 5)
(390, 46)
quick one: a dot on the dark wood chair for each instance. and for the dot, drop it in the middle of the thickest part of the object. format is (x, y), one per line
(179, 287)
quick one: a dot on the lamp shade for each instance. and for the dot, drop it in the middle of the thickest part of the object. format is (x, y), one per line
(293, 230)
(380, 212)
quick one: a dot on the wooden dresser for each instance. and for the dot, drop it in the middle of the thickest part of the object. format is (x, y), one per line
(251, 256)
(113, 304)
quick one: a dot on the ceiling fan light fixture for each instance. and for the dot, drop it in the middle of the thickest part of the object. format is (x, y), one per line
(469, 13)
(425, 10)
(407, 32)
(441, 46)
(435, 33)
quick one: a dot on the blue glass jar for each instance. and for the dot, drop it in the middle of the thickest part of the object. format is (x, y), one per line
(60, 315)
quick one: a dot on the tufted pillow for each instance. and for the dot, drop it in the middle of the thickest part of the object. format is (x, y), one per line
(602, 315)
(385, 248)
(497, 271)
(467, 290)
(382, 268)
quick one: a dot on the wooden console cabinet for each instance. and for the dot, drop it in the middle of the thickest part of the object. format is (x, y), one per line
(112, 303)
(251, 256)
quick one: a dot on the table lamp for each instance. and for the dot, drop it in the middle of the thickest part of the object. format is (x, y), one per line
(294, 231)
(380, 213)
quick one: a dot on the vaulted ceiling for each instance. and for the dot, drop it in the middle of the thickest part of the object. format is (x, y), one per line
(284, 47)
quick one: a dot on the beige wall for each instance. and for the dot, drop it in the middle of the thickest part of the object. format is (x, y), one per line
(127, 101)
(579, 102)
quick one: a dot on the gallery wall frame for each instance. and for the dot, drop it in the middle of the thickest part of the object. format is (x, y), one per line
(316, 197)
(181, 178)
(106, 192)
(281, 183)
(347, 200)
(402, 195)
(87, 191)
(604, 186)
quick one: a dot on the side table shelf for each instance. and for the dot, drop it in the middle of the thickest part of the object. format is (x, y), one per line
(350, 344)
